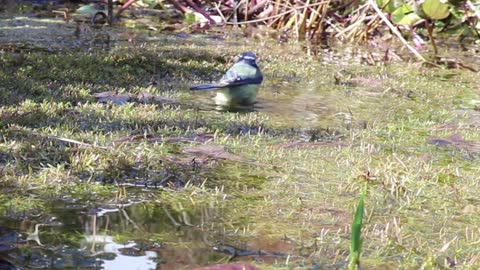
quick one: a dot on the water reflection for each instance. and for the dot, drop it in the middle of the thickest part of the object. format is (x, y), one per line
(138, 236)
(121, 256)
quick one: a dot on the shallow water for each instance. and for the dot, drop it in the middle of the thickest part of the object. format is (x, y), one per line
(82, 236)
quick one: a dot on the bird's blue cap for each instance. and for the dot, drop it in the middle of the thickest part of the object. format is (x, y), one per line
(249, 56)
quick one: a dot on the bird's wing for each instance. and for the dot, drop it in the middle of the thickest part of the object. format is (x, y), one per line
(240, 74)
(207, 86)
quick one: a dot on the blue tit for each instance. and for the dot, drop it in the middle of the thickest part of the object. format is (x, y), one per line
(239, 85)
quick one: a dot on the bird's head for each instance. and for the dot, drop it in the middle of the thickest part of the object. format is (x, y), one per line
(248, 57)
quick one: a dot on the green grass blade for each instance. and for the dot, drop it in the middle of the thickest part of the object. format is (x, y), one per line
(356, 246)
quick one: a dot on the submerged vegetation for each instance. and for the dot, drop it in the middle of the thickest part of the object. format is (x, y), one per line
(107, 125)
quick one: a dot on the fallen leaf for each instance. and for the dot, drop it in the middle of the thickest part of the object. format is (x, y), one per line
(458, 142)
(111, 96)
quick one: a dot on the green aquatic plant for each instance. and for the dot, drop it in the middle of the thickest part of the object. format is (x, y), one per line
(356, 244)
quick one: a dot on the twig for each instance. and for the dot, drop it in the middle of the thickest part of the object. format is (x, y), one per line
(110, 12)
(350, 29)
(275, 11)
(273, 21)
(179, 6)
(125, 6)
(172, 219)
(328, 21)
(395, 30)
(429, 27)
(217, 7)
(278, 15)
(200, 10)
(256, 7)
(303, 22)
(265, 12)
(323, 17)
(134, 224)
(53, 137)
(297, 31)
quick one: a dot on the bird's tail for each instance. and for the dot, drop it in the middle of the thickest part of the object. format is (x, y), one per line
(208, 86)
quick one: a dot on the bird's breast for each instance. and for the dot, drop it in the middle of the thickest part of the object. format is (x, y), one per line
(238, 95)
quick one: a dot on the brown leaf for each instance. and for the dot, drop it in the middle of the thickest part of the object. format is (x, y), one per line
(458, 142)
(113, 97)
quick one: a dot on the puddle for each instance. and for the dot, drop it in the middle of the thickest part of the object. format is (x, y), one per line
(135, 236)
(84, 234)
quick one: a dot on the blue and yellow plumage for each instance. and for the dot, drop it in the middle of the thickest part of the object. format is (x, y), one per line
(239, 85)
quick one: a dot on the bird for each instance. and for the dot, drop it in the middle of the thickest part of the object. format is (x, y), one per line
(239, 85)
